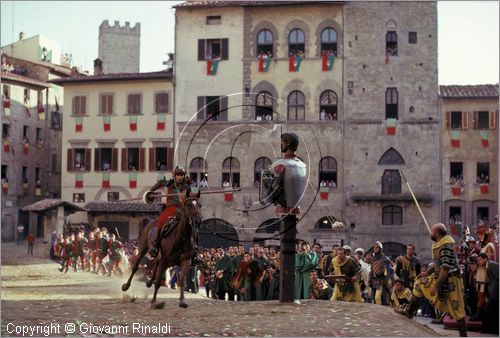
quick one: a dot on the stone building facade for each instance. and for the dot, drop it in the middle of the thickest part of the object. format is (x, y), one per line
(374, 112)
(119, 47)
(470, 155)
(31, 140)
(117, 141)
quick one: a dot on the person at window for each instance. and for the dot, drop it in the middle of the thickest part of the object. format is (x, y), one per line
(269, 117)
(258, 118)
(204, 183)
(322, 115)
(106, 166)
(179, 186)
(226, 184)
(323, 183)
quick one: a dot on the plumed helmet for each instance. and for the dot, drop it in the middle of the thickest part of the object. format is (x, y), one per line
(179, 170)
(291, 139)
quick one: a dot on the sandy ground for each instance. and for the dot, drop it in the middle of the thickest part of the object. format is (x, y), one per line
(36, 296)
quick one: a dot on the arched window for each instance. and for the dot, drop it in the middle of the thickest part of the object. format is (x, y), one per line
(198, 170)
(391, 182)
(231, 172)
(391, 43)
(328, 105)
(328, 172)
(391, 103)
(296, 41)
(265, 42)
(392, 215)
(269, 226)
(216, 232)
(329, 40)
(325, 222)
(296, 105)
(260, 164)
(391, 156)
(264, 106)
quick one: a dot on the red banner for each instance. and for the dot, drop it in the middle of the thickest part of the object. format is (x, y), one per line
(132, 184)
(456, 191)
(484, 188)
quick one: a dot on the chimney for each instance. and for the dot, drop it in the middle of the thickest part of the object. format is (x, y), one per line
(97, 67)
(21, 36)
(74, 71)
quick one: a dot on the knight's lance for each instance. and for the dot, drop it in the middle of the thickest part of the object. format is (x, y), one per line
(416, 202)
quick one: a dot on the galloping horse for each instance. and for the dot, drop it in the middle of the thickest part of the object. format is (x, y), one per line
(177, 248)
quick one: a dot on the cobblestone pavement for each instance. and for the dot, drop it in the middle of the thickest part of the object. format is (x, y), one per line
(35, 295)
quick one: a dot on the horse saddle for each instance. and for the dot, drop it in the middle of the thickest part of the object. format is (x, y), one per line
(167, 228)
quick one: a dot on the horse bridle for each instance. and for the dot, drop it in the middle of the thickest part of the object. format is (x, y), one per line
(190, 214)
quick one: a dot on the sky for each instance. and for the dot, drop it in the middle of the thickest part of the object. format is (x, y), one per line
(468, 33)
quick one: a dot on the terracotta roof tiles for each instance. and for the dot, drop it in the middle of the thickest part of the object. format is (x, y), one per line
(475, 91)
(166, 75)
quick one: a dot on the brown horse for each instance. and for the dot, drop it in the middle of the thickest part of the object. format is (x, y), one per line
(177, 248)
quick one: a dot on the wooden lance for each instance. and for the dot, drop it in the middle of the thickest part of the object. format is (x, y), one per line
(416, 202)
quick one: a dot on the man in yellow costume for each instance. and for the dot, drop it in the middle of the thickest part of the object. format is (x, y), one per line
(347, 289)
(442, 284)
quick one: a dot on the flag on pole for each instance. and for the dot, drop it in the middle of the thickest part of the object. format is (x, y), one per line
(391, 126)
(57, 104)
(484, 138)
(133, 122)
(132, 179)
(78, 124)
(160, 122)
(455, 138)
(41, 112)
(228, 195)
(78, 180)
(106, 120)
(106, 179)
(6, 146)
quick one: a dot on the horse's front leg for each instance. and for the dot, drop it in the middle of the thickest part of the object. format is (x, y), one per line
(160, 271)
(185, 266)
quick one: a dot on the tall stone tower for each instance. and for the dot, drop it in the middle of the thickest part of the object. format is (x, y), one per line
(119, 47)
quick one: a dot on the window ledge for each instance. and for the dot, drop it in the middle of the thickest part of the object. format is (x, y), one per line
(141, 114)
(407, 198)
(84, 115)
(107, 114)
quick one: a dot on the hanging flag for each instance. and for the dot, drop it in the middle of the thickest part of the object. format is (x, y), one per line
(26, 148)
(391, 126)
(323, 193)
(57, 104)
(133, 122)
(264, 62)
(106, 179)
(78, 124)
(456, 190)
(484, 188)
(5, 187)
(228, 195)
(160, 122)
(132, 179)
(38, 190)
(106, 120)
(6, 106)
(484, 138)
(78, 180)
(212, 66)
(386, 61)
(41, 112)
(294, 62)
(6, 146)
(327, 63)
(455, 138)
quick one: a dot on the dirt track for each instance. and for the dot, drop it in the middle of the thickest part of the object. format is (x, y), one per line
(35, 293)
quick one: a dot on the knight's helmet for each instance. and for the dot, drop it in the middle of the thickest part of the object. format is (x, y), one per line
(179, 170)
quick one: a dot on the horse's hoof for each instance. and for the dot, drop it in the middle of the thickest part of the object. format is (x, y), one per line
(149, 283)
(183, 305)
(125, 287)
(158, 305)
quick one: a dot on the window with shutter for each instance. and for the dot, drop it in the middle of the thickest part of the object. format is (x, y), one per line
(124, 160)
(465, 120)
(70, 161)
(142, 159)
(481, 120)
(134, 104)
(170, 158)
(87, 159)
(79, 105)
(493, 119)
(114, 160)
(225, 49)
(201, 49)
(106, 104)
(161, 102)
(201, 108)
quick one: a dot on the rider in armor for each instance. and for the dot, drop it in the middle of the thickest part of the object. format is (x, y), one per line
(179, 186)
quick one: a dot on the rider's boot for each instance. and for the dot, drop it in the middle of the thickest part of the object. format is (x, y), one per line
(153, 251)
